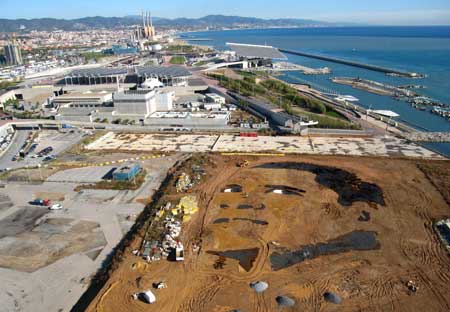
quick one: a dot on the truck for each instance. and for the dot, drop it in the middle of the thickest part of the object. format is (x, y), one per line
(243, 164)
(40, 202)
(179, 252)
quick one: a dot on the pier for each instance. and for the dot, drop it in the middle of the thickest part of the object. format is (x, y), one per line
(433, 137)
(286, 66)
(355, 64)
(375, 87)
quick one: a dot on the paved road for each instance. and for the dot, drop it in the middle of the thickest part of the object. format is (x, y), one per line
(14, 148)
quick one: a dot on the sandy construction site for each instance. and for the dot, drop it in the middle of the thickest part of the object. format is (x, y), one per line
(317, 229)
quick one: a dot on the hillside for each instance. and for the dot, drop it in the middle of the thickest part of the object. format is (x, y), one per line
(214, 21)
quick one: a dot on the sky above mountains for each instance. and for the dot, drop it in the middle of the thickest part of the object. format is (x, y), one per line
(380, 12)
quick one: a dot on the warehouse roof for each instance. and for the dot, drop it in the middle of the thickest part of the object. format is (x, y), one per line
(161, 71)
(101, 71)
(256, 51)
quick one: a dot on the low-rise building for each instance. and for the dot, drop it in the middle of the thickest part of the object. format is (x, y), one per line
(83, 99)
(126, 172)
(189, 119)
(215, 98)
(212, 106)
(277, 117)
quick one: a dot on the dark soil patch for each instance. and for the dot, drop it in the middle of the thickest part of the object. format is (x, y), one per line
(221, 220)
(235, 188)
(258, 222)
(346, 184)
(244, 206)
(246, 257)
(357, 240)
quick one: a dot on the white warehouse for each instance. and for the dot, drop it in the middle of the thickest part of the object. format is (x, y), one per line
(142, 103)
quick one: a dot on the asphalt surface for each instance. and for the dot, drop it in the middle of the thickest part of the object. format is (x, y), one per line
(14, 148)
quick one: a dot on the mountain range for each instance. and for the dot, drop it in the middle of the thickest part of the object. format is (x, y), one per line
(97, 22)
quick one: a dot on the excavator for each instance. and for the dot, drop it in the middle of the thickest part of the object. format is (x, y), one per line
(243, 164)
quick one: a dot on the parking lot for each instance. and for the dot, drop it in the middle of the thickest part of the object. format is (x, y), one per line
(47, 257)
(155, 142)
(81, 175)
(59, 141)
(376, 146)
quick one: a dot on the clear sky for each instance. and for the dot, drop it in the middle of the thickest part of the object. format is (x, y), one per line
(391, 12)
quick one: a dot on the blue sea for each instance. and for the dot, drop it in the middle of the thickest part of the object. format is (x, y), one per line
(425, 50)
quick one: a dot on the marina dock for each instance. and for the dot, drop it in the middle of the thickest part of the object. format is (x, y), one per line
(388, 71)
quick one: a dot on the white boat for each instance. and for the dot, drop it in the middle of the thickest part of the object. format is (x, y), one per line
(385, 113)
(346, 98)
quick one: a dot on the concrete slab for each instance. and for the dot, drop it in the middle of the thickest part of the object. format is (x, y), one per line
(81, 175)
(376, 146)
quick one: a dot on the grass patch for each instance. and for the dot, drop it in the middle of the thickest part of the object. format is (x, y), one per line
(285, 97)
(201, 63)
(327, 122)
(8, 84)
(94, 56)
(177, 60)
(181, 48)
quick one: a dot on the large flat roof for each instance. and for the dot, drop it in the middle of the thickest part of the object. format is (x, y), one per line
(162, 71)
(151, 71)
(256, 51)
(101, 71)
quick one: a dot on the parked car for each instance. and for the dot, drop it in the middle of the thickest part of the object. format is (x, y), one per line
(48, 158)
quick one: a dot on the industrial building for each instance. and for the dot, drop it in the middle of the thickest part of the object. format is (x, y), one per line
(176, 76)
(147, 30)
(96, 76)
(120, 50)
(152, 95)
(126, 172)
(83, 99)
(276, 116)
(189, 120)
(167, 75)
(142, 102)
(253, 56)
(135, 102)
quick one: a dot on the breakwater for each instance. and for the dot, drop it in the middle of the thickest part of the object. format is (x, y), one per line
(388, 71)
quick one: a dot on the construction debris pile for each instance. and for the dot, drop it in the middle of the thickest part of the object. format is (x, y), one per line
(169, 246)
(184, 183)
(186, 208)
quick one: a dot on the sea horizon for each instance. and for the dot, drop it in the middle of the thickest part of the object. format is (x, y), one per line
(410, 48)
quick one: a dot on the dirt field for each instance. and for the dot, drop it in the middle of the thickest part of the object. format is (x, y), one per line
(360, 228)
